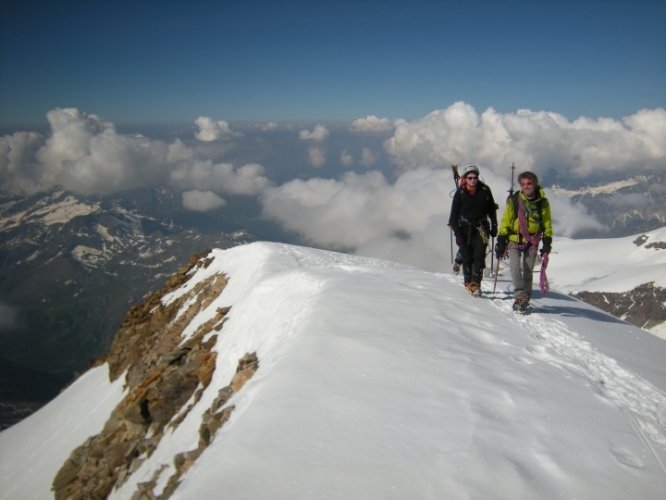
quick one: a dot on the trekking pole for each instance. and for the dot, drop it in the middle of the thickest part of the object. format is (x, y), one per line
(496, 274)
(492, 252)
(451, 243)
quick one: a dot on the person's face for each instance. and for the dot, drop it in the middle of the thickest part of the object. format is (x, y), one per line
(527, 187)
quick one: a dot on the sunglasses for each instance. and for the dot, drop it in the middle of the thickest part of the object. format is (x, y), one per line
(526, 184)
(471, 177)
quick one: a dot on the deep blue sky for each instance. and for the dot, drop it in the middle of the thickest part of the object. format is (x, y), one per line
(156, 62)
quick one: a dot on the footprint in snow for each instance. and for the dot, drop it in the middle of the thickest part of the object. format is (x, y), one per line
(535, 349)
(523, 359)
(625, 457)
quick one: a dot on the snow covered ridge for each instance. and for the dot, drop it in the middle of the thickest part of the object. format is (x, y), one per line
(609, 188)
(622, 208)
(58, 208)
(362, 379)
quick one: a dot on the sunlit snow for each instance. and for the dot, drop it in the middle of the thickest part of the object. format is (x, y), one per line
(382, 381)
(609, 265)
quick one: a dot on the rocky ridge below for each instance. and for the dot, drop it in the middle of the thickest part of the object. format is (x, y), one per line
(165, 377)
(643, 306)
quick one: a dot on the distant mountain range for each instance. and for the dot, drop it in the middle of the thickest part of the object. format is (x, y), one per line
(71, 266)
(624, 207)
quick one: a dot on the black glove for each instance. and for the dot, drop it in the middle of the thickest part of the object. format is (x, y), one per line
(500, 246)
(493, 230)
(546, 245)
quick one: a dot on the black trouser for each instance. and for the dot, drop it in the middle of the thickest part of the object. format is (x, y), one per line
(459, 244)
(474, 255)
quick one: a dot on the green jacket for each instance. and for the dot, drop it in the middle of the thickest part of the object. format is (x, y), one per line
(537, 212)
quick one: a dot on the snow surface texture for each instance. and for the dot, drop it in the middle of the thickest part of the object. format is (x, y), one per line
(609, 265)
(381, 381)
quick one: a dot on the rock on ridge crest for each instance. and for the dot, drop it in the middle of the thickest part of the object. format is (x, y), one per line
(162, 374)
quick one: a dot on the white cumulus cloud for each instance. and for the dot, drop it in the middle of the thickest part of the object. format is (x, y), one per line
(246, 180)
(346, 158)
(20, 173)
(202, 201)
(269, 126)
(372, 124)
(569, 218)
(83, 153)
(538, 141)
(319, 133)
(366, 214)
(405, 221)
(368, 158)
(209, 130)
(316, 156)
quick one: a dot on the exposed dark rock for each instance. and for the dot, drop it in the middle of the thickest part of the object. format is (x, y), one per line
(164, 369)
(643, 306)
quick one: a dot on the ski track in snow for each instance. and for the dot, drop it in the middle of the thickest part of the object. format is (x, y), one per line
(643, 404)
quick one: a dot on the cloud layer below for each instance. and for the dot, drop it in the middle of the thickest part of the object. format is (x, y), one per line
(392, 203)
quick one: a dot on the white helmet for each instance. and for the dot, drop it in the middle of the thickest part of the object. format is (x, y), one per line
(469, 169)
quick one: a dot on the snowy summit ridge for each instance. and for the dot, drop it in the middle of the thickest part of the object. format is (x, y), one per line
(304, 373)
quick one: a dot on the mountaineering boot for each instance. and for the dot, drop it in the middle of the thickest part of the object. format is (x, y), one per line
(521, 303)
(473, 288)
(476, 284)
(457, 263)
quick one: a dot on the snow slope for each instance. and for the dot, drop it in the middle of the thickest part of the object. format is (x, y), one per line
(381, 381)
(32, 451)
(609, 265)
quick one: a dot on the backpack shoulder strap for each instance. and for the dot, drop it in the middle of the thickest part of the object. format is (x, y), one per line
(513, 199)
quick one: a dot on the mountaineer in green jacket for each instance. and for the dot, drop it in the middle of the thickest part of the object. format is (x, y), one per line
(525, 223)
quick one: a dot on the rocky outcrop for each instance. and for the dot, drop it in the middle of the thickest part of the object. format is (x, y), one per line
(643, 306)
(165, 376)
